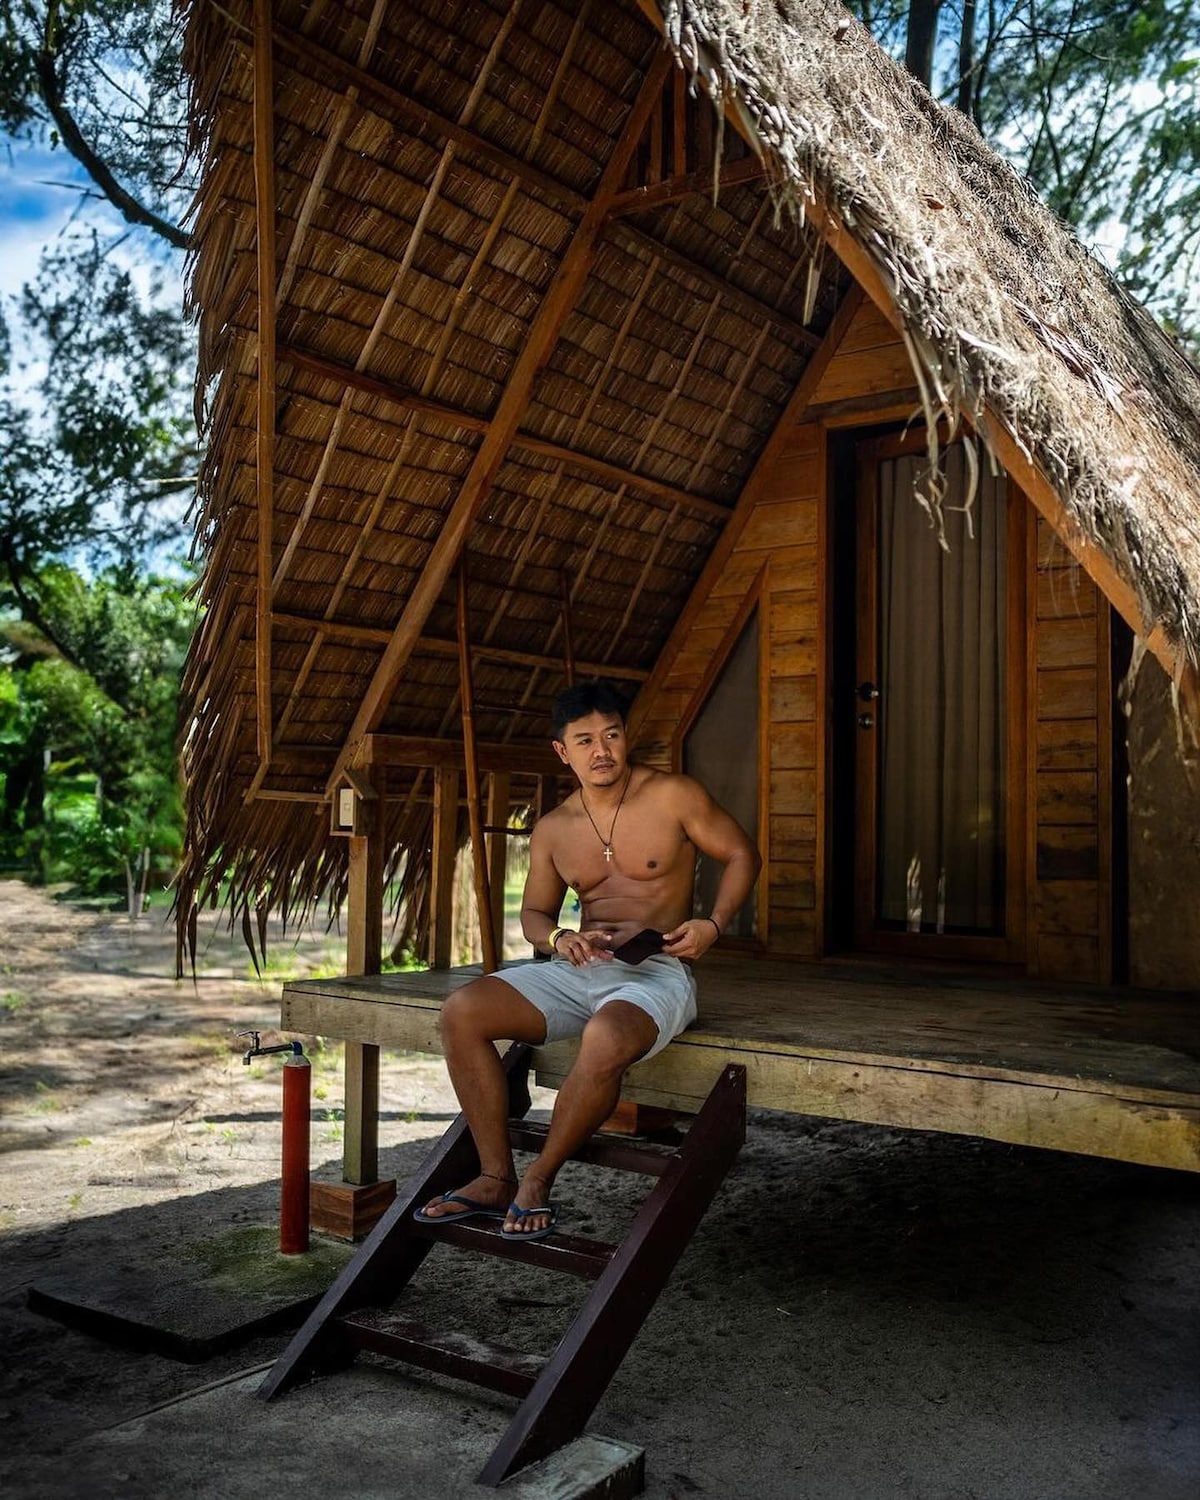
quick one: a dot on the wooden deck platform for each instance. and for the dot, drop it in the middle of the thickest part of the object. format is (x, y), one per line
(1112, 1073)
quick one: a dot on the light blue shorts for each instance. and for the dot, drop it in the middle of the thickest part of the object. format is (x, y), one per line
(569, 997)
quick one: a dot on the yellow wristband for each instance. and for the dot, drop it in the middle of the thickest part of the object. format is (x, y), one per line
(555, 934)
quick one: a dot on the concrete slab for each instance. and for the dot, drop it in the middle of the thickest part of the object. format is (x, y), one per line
(369, 1433)
(197, 1300)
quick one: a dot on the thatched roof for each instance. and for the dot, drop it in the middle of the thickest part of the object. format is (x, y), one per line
(469, 349)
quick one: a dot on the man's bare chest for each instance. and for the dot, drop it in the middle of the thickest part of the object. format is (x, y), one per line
(585, 858)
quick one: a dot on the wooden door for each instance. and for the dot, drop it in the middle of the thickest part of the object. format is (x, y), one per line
(939, 707)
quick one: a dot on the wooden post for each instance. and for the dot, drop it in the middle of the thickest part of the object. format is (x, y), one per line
(483, 899)
(445, 850)
(364, 945)
(264, 201)
(568, 639)
(499, 789)
(351, 1207)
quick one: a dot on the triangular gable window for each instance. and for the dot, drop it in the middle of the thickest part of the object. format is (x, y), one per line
(720, 750)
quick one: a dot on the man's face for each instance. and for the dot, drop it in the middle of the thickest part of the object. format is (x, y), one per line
(594, 748)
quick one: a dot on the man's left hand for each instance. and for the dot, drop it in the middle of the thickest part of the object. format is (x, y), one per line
(690, 939)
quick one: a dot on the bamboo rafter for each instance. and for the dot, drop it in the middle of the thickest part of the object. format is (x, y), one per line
(344, 406)
(527, 442)
(559, 300)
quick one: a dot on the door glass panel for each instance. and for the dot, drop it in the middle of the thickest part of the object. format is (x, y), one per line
(721, 751)
(941, 710)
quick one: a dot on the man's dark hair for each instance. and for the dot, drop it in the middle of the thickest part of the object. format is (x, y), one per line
(599, 696)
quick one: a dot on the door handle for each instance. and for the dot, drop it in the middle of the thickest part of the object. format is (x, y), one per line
(866, 721)
(868, 692)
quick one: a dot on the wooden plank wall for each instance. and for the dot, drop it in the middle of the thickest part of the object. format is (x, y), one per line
(776, 559)
(1070, 767)
(779, 550)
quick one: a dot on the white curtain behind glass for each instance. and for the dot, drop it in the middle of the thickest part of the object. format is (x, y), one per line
(721, 751)
(941, 706)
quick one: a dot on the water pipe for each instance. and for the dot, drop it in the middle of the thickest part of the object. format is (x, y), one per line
(294, 1157)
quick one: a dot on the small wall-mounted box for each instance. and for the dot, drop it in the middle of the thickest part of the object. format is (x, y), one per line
(348, 812)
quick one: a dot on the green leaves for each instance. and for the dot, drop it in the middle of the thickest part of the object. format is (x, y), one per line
(87, 756)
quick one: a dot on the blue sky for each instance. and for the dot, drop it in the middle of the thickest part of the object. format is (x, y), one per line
(31, 212)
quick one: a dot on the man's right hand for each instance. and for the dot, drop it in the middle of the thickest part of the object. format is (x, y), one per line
(581, 948)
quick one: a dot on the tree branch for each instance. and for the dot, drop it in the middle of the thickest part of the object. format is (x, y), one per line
(72, 137)
(31, 612)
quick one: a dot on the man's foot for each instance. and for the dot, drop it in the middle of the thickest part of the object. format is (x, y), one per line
(533, 1194)
(485, 1196)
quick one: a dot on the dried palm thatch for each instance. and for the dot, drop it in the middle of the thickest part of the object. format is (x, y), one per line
(1003, 308)
(481, 347)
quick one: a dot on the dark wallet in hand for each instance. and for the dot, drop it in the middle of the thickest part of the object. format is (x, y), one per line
(640, 946)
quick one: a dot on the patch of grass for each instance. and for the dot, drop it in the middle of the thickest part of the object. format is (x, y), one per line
(82, 1140)
(246, 1260)
(208, 1046)
(320, 1092)
(12, 1001)
(46, 1103)
(75, 1201)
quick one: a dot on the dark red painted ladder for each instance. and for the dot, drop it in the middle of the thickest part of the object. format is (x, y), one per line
(557, 1394)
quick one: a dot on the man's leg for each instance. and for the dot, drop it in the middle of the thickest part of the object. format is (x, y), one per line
(615, 1037)
(472, 1020)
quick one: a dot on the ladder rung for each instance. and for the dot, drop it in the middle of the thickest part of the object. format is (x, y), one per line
(457, 1354)
(557, 1252)
(601, 1151)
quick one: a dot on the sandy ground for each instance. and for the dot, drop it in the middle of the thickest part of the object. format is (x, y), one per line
(864, 1314)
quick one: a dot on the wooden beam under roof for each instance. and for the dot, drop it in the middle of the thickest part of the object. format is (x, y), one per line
(380, 635)
(405, 750)
(688, 185)
(327, 65)
(264, 215)
(543, 332)
(398, 395)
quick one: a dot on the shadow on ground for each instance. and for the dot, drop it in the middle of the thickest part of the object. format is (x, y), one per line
(863, 1313)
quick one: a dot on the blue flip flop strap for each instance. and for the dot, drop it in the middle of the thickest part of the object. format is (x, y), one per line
(524, 1213)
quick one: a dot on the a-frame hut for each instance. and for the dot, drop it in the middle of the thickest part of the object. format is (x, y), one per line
(694, 344)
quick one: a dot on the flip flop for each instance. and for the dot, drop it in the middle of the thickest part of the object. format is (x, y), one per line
(525, 1213)
(472, 1209)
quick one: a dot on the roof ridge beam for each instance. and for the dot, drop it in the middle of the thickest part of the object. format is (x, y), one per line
(332, 65)
(557, 304)
(398, 395)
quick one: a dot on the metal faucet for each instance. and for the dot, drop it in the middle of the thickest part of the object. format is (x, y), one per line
(258, 1050)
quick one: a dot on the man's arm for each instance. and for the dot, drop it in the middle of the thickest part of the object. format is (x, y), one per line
(719, 835)
(542, 902)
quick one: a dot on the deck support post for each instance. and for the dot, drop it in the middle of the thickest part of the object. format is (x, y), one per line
(499, 789)
(445, 851)
(351, 1207)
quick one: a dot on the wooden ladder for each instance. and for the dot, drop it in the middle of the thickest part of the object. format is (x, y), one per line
(559, 1393)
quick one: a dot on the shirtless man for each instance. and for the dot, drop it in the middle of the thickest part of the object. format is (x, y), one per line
(625, 842)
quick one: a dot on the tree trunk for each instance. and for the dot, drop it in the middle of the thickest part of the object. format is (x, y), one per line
(922, 38)
(966, 60)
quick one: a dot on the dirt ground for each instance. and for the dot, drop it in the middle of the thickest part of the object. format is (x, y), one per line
(865, 1314)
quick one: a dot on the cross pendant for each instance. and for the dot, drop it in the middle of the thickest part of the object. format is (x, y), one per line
(608, 851)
